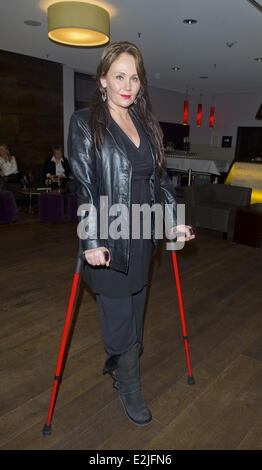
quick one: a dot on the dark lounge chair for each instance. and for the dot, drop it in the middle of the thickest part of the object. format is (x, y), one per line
(213, 206)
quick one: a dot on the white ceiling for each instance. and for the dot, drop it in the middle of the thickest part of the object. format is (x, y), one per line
(165, 41)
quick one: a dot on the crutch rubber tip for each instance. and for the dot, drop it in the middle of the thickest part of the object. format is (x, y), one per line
(191, 380)
(47, 430)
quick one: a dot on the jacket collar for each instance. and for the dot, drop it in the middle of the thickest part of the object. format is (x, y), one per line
(131, 111)
(134, 115)
(54, 160)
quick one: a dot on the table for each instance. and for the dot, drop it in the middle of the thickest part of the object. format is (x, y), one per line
(200, 165)
(196, 165)
(36, 192)
(248, 226)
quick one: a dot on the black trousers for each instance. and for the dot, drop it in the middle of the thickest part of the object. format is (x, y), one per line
(121, 321)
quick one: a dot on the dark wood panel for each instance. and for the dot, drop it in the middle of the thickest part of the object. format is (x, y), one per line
(31, 107)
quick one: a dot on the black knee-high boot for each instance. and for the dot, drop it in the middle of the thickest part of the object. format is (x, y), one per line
(110, 368)
(111, 362)
(127, 376)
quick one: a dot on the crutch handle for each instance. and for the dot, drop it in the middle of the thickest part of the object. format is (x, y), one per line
(81, 259)
(79, 263)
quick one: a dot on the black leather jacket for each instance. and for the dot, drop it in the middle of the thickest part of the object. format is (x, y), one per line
(108, 172)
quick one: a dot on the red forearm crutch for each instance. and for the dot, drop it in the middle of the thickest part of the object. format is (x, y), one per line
(190, 379)
(47, 430)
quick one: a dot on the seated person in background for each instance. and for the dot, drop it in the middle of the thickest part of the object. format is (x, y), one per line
(57, 168)
(8, 167)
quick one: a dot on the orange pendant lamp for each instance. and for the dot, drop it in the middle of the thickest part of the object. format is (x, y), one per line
(199, 115)
(185, 113)
(199, 111)
(212, 117)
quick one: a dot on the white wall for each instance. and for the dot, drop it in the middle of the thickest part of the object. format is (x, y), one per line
(167, 105)
(231, 111)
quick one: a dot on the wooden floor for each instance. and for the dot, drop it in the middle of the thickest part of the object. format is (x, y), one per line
(221, 284)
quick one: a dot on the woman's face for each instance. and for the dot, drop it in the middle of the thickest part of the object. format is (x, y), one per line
(122, 81)
(58, 154)
(3, 152)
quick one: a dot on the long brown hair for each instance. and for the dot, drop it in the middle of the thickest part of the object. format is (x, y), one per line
(142, 108)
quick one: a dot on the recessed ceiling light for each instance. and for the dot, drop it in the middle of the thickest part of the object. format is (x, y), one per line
(204, 77)
(189, 21)
(258, 59)
(32, 23)
(176, 68)
(231, 44)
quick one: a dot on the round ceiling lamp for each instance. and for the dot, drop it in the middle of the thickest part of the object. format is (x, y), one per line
(78, 24)
(189, 21)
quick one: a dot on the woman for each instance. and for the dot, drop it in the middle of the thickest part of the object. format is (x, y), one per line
(57, 167)
(8, 167)
(115, 151)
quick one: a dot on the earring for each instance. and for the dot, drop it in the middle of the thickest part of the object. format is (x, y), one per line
(104, 94)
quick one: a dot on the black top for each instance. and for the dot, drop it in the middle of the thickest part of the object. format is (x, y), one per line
(110, 282)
